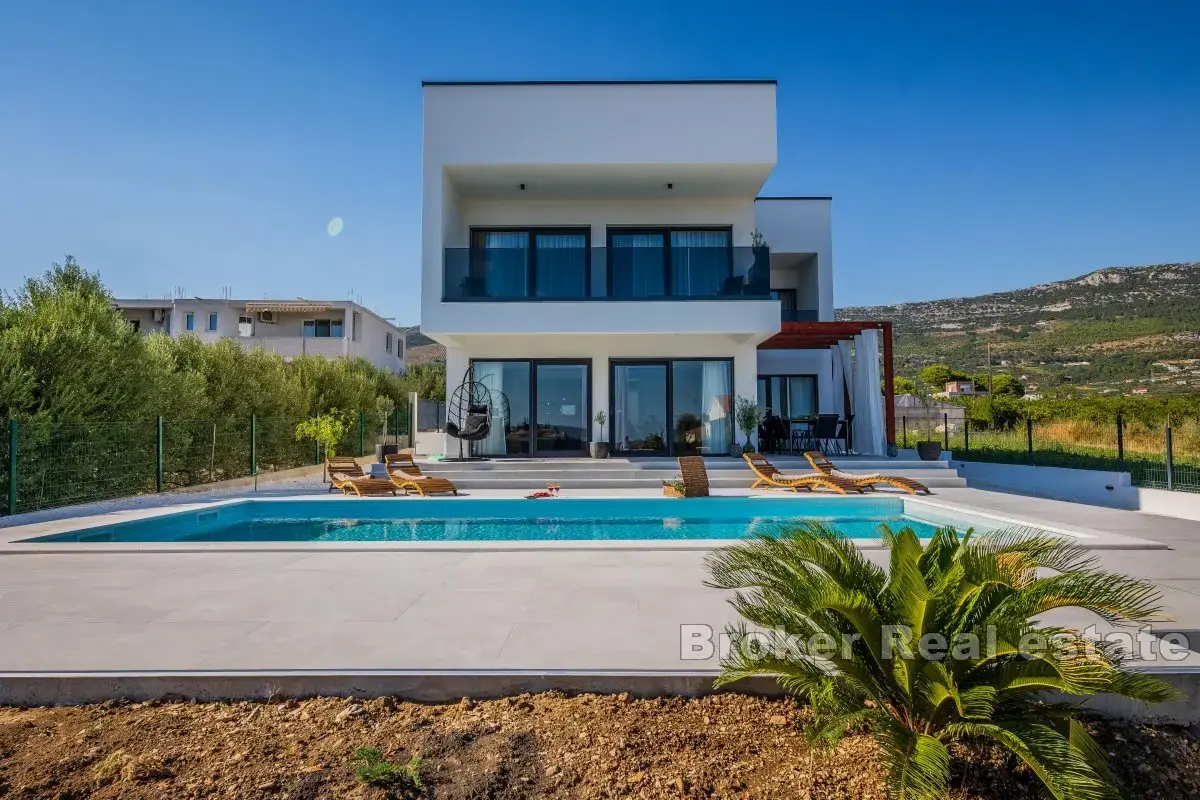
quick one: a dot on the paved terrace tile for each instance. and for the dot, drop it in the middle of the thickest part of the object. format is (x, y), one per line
(617, 609)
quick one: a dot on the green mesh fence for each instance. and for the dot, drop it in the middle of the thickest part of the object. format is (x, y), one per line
(61, 464)
(1139, 449)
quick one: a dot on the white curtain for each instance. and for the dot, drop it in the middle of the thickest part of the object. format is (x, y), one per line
(843, 351)
(491, 375)
(717, 401)
(622, 413)
(869, 435)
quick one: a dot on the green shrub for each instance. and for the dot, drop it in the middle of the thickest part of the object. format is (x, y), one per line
(892, 648)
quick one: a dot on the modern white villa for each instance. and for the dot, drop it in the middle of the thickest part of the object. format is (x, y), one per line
(331, 328)
(594, 246)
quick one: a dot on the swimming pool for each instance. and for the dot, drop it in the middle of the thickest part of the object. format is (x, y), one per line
(497, 520)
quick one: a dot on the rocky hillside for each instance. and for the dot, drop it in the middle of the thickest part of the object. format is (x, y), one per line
(420, 348)
(1111, 330)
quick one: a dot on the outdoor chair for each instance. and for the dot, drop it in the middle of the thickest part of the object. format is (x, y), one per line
(822, 464)
(405, 474)
(362, 486)
(694, 476)
(769, 476)
(825, 431)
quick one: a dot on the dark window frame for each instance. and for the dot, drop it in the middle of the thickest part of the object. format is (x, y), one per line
(533, 232)
(665, 232)
(613, 363)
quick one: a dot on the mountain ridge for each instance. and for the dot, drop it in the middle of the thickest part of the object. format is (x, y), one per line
(1107, 330)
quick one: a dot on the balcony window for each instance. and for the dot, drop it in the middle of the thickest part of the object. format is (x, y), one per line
(671, 263)
(520, 264)
(322, 328)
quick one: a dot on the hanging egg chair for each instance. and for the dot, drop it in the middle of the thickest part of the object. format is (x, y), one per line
(472, 410)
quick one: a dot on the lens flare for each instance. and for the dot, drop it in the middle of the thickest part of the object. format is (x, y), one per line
(335, 226)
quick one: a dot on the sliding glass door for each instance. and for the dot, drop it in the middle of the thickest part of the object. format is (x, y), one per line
(672, 407)
(548, 407)
(639, 409)
(562, 392)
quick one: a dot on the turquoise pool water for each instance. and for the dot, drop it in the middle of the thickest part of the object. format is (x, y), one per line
(466, 520)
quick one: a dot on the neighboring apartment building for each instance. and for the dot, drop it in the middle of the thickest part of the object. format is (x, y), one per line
(333, 328)
(603, 246)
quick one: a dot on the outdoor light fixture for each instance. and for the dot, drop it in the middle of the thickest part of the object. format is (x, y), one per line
(522, 187)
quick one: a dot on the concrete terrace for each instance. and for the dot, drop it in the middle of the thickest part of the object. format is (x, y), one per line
(295, 609)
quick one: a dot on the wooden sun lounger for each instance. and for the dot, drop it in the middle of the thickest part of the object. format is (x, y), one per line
(694, 476)
(768, 475)
(407, 475)
(345, 465)
(824, 465)
(362, 485)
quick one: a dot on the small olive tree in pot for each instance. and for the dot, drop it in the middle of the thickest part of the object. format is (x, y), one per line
(748, 416)
(599, 448)
(928, 448)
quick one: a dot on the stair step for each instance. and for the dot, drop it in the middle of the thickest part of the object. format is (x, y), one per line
(572, 482)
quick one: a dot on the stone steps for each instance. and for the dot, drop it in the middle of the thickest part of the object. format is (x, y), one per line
(649, 473)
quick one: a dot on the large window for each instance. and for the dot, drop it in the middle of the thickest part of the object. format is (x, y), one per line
(788, 396)
(681, 407)
(647, 262)
(547, 263)
(322, 328)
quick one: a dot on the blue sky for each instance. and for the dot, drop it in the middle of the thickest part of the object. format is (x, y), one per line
(969, 147)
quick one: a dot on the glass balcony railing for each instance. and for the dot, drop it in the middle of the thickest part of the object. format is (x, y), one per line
(799, 315)
(606, 273)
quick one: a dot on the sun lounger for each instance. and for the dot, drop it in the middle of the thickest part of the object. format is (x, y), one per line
(362, 486)
(768, 475)
(345, 465)
(407, 475)
(824, 465)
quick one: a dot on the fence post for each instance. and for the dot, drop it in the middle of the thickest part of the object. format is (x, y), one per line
(904, 426)
(362, 434)
(1029, 439)
(158, 455)
(254, 447)
(945, 431)
(1170, 460)
(1120, 442)
(12, 467)
(966, 437)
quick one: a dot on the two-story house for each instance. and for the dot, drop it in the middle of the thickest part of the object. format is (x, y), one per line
(332, 328)
(596, 246)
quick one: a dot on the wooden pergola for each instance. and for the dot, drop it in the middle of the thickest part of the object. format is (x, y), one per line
(824, 335)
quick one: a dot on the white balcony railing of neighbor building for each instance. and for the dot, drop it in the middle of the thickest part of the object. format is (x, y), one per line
(292, 346)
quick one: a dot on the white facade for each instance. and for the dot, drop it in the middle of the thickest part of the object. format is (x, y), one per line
(582, 222)
(335, 329)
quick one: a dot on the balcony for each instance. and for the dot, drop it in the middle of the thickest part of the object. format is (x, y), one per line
(799, 315)
(619, 274)
(292, 346)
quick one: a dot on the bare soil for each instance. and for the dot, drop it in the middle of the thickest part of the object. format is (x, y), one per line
(532, 746)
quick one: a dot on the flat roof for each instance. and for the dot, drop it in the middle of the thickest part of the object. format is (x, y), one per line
(770, 81)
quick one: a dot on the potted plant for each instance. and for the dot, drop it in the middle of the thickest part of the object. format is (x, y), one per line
(929, 448)
(599, 449)
(748, 416)
(384, 407)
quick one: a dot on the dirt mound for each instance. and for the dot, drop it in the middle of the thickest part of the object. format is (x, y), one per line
(532, 746)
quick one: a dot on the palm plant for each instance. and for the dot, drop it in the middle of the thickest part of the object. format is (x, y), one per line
(942, 646)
